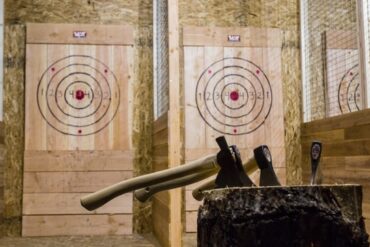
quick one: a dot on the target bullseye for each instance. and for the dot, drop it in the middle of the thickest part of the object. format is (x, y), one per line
(234, 96)
(80, 95)
(74, 95)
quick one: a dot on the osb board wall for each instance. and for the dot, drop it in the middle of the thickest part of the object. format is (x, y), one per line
(233, 89)
(77, 128)
(2, 156)
(137, 13)
(282, 14)
(345, 154)
(161, 210)
(324, 16)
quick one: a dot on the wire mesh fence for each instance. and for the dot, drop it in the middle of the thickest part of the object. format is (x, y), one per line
(161, 87)
(330, 58)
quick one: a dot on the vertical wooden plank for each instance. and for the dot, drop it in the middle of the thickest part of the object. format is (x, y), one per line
(214, 75)
(174, 140)
(194, 64)
(34, 137)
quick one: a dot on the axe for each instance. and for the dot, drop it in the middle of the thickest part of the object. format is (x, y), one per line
(264, 160)
(230, 174)
(316, 148)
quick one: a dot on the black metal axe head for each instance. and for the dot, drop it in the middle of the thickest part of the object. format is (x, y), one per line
(232, 173)
(264, 161)
(316, 148)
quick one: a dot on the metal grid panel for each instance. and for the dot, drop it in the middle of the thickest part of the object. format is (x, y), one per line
(330, 58)
(161, 83)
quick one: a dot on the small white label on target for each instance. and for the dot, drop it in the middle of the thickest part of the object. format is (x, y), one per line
(233, 38)
(79, 34)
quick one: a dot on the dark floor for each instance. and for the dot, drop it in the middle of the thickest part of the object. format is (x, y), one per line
(90, 241)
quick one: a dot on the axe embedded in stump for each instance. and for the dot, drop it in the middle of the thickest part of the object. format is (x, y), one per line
(264, 160)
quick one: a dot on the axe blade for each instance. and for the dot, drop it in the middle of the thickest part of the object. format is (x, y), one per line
(263, 157)
(316, 149)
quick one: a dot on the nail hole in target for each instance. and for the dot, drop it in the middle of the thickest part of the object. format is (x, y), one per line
(74, 95)
(349, 91)
(236, 98)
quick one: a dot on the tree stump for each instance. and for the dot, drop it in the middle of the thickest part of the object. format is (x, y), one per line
(302, 216)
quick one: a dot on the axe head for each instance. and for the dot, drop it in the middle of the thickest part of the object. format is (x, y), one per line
(264, 161)
(316, 148)
(232, 173)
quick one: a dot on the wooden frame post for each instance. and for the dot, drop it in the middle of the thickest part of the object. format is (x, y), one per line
(174, 145)
(363, 45)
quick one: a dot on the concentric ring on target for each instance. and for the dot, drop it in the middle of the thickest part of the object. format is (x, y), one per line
(233, 96)
(349, 94)
(78, 95)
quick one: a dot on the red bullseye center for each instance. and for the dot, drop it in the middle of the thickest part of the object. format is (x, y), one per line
(80, 94)
(234, 95)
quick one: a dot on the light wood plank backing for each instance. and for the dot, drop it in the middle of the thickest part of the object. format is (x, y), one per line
(69, 203)
(114, 160)
(256, 59)
(71, 149)
(218, 36)
(51, 182)
(346, 151)
(95, 34)
(56, 225)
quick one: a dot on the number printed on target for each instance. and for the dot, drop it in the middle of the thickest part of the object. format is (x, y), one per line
(234, 96)
(78, 95)
(349, 91)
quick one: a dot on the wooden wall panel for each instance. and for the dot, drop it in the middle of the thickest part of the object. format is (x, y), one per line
(78, 128)
(346, 151)
(161, 201)
(219, 62)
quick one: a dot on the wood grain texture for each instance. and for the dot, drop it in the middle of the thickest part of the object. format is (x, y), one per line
(216, 36)
(69, 203)
(346, 151)
(77, 145)
(40, 33)
(56, 225)
(210, 58)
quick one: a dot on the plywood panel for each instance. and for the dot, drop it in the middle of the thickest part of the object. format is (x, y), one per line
(51, 182)
(78, 127)
(110, 160)
(52, 203)
(79, 34)
(76, 225)
(232, 88)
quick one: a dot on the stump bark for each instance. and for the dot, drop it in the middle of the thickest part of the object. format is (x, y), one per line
(302, 216)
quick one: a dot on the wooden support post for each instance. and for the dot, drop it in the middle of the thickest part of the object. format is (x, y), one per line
(363, 44)
(174, 155)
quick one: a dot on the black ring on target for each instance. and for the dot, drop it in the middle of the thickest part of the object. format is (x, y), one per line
(210, 113)
(67, 114)
(222, 93)
(222, 113)
(109, 73)
(356, 91)
(66, 100)
(348, 72)
(255, 102)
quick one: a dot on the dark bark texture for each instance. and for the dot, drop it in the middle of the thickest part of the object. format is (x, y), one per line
(302, 216)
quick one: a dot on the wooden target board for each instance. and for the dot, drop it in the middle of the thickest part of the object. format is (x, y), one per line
(344, 89)
(232, 87)
(78, 127)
